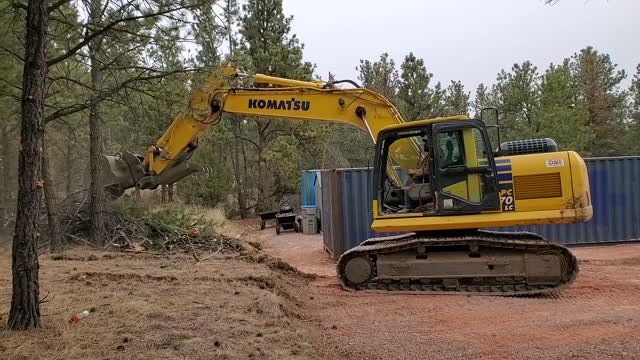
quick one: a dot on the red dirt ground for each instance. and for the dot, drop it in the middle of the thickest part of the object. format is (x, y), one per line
(598, 317)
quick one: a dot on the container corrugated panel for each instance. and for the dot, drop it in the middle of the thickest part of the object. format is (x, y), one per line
(318, 194)
(327, 212)
(346, 222)
(615, 197)
(614, 182)
(355, 206)
(307, 187)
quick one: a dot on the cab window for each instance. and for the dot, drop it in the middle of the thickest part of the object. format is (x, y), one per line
(461, 151)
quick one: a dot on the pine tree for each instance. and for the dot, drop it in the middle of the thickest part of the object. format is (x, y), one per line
(562, 116)
(380, 76)
(634, 125)
(481, 100)
(96, 145)
(268, 42)
(598, 86)
(416, 99)
(211, 28)
(25, 302)
(516, 95)
(635, 95)
(270, 47)
(456, 100)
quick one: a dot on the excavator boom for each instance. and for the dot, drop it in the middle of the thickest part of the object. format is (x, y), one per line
(166, 161)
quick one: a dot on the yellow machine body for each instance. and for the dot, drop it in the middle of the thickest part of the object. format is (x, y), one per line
(538, 189)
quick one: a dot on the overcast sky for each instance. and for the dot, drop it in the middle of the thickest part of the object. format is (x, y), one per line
(464, 40)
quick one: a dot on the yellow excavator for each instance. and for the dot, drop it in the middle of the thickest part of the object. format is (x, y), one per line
(440, 181)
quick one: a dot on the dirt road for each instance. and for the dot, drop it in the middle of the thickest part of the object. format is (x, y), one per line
(598, 317)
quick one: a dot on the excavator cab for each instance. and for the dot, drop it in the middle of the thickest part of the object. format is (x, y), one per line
(456, 173)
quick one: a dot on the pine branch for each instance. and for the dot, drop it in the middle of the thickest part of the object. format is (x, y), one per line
(53, 7)
(11, 52)
(63, 20)
(274, 131)
(66, 78)
(15, 86)
(102, 95)
(250, 141)
(94, 34)
(71, 128)
(18, 5)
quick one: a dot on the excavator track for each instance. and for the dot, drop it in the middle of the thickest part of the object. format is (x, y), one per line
(476, 262)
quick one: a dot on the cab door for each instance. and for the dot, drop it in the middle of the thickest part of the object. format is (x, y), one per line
(465, 175)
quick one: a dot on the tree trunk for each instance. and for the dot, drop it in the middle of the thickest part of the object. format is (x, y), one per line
(55, 236)
(25, 306)
(69, 175)
(4, 199)
(171, 192)
(96, 191)
(235, 160)
(245, 173)
(8, 157)
(163, 193)
(264, 185)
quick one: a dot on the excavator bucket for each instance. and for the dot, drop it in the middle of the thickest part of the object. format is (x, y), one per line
(125, 171)
(116, 175)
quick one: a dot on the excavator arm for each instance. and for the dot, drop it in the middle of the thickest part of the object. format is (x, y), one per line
(167, 162)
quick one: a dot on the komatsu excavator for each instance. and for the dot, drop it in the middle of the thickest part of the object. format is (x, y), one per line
(439, 181)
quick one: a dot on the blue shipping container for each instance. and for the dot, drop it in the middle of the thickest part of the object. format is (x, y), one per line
(615, 191)
(615, 197)
(307, 187)
(346, 209)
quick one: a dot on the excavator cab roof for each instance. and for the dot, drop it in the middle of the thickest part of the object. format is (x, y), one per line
(426, 122)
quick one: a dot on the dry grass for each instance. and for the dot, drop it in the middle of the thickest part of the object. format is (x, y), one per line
(160, 307)
(214, 216)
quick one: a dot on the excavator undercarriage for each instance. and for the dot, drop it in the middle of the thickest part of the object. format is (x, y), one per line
(464, 262)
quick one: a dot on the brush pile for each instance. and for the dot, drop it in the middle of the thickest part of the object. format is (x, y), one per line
(133, 227)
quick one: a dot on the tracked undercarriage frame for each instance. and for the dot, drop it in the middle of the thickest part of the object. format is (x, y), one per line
(470, 262)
